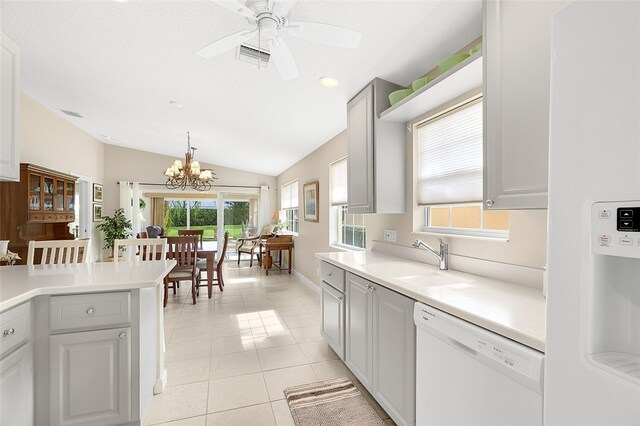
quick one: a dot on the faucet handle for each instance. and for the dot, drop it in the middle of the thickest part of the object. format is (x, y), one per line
(442, 243)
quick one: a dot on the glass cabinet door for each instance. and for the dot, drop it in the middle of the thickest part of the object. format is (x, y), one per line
(35, 192)
(70, 196)
(59, 195)
(48, 193)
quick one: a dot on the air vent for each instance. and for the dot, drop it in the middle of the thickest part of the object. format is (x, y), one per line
(71, 113)
(253, 55)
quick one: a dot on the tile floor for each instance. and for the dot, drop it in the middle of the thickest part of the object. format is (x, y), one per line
(229, 358)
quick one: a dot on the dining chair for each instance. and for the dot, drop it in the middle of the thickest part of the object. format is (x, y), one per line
(217, 276)
(251, 245)
(185, 252)
(195, 232)
(139, 249)
(59, 251)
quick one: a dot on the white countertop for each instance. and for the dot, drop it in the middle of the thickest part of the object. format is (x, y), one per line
(511, 310)
(20, 283)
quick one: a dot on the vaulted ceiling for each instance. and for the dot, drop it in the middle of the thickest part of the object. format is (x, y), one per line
(120, 64)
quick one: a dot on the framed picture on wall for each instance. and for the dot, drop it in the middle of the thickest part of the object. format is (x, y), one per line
(310, 191)
(97, 212)
(97, 193)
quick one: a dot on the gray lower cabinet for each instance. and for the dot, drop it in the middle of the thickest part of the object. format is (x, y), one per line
(394, 354)
(90, 377)
(16, 387)
(380, 345)
(359, 329)
(333, 318)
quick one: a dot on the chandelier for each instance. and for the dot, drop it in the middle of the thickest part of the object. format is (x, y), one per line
(191, 175)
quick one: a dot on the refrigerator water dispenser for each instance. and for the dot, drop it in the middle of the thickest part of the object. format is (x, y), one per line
(614, 329)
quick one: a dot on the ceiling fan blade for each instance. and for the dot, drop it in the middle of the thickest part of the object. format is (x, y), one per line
(283, 59)
(225, 43)
(282, 7)
(325, 34)
(236, 7)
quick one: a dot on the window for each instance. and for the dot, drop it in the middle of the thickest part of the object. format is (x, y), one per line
(347, 229)
(289, 203)
(450, 153)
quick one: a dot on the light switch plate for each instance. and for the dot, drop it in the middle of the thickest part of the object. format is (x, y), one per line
(390, 235)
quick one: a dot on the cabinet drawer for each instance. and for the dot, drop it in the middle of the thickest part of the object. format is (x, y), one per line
(332, 275)
(15, 327)
(89, 310)
(50, 217)
(36, 217)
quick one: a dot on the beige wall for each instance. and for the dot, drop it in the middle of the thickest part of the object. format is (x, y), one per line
(48, 140)
(124, 164)
(313, 237)
(528, 229)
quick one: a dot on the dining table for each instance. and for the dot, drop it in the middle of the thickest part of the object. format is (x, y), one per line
(208, 252)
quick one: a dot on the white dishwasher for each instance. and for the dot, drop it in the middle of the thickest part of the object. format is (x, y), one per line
(467, 375)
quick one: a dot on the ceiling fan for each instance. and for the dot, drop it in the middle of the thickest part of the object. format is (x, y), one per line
(270, 21)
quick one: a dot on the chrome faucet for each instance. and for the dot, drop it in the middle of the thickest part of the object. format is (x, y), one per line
(443, 256)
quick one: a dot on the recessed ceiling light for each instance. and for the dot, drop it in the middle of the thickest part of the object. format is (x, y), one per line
(175, 104)
(329, 82)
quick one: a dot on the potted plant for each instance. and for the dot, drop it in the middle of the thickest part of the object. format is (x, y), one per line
(115, 227)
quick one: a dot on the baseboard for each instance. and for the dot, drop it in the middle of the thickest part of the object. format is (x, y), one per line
(313, 286)
(161, 383)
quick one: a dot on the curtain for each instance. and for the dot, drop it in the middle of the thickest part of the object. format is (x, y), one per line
(157, 211)
(125, 200)
(135, 208)
(264, 208)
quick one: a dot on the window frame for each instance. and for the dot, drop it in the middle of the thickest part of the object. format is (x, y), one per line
(292, 211)
(336, 228)
(421, 226)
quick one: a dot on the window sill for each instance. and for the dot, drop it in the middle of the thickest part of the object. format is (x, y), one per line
(498, 236)
(346, 248)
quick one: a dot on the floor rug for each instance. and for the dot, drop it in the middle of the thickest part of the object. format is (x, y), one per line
(331, 402)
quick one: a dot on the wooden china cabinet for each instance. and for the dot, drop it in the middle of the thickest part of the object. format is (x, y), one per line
(38, 207)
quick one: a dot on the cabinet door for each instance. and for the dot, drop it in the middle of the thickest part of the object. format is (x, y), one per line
(394, 361)
(333, 318)
(517, 54)
(16, 388)
(90, 377)
(10, 107)
(360, 115)
(359, 328)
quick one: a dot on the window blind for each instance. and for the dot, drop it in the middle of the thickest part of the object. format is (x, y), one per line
(339, 183)
(450, 157)
(289, 195)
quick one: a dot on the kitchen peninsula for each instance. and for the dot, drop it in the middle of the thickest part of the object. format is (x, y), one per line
(89, 335)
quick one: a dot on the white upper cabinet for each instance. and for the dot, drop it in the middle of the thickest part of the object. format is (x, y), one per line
(517, 57)
(10, 107)
(377, 153)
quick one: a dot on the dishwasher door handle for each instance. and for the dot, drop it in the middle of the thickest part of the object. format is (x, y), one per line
(463, 347)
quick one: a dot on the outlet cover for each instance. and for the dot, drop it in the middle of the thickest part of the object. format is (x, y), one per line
(390, 235)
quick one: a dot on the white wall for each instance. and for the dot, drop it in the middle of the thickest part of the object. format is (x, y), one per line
(48, 140)
(528, 228)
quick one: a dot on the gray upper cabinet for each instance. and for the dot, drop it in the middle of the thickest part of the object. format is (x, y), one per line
(377, 153)
(517, 57)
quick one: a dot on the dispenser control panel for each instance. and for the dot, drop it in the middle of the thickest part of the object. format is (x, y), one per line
(615, 228)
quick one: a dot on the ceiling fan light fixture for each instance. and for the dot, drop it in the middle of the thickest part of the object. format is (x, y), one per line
(328, 82)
